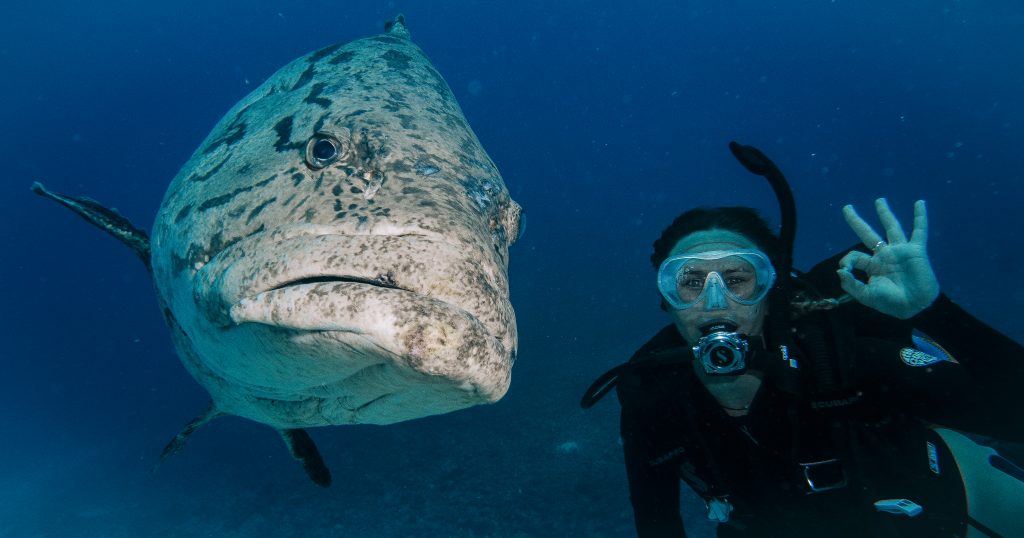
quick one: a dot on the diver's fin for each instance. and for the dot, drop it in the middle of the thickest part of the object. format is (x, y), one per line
(179, 440)
(103, 218)
(303, 449)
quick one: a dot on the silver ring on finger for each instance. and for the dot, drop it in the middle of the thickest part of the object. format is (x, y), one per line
(881, 243)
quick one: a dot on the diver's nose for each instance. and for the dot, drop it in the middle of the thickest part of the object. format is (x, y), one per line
(714, 293)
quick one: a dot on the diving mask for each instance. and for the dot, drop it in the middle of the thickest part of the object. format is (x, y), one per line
(744, 276)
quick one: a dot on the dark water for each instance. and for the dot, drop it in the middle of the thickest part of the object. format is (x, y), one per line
(606, 120)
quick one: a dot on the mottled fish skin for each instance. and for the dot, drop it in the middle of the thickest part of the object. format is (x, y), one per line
(307, 289)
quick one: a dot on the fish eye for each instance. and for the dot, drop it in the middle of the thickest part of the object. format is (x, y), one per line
(322, 150)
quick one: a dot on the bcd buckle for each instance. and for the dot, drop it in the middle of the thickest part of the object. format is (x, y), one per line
(824, 475)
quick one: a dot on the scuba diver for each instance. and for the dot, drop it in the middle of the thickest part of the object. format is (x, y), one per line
(835, 402)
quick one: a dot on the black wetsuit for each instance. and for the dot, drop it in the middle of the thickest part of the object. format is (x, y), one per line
(873, 420)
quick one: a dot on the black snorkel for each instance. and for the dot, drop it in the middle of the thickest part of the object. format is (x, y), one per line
(758, 163)
(777, 333)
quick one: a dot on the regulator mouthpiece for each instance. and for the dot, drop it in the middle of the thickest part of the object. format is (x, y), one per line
(722, 351)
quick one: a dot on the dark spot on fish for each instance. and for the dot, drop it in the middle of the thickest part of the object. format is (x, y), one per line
(267, 181)
(297, 178)
(426, 203)
(336, 190)
(287, 201)
(426, 168)
(257, 230)
(297, 206)
(342, 57)
(323, 53)
(199, 253)
(237, 212)
(355, 190)
(406, 121)
(283, 129)
(236, 131)
(209, 173)
(340, 215)
(363, 220)
(305, 78)
(309, 215)
(259, 209)
(314, 96)
(183, 213)
(337, 204)
(223, 199)
(401, 167)
(396, 59)
(179, 263)
(352, 206)
(319, 182)
(393, 106)
(386, 39)
(359, 112)
(413, 190)
(320, 122)
(453, 121)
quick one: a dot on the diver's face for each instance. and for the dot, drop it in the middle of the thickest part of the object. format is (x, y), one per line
(749, 319)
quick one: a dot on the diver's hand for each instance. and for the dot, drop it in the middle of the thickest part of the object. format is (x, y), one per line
(901, 282)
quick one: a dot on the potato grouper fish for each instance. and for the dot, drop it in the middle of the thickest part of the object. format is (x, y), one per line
(336, 251)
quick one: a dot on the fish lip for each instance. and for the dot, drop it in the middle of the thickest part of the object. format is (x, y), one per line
(480, 364)
(306, 253)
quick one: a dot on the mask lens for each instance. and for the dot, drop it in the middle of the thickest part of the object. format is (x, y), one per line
(743, 276)
(737, 275)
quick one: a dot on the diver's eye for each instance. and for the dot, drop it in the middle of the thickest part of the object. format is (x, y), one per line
(322, 150)
(692, 283)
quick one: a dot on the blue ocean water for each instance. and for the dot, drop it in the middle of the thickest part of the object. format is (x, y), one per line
(606, 120)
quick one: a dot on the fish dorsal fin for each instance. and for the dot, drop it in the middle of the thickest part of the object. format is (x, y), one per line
(397, 27)
(103, 218)
(303, 449)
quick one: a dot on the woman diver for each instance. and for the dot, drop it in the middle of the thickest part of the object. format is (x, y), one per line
(821, 404)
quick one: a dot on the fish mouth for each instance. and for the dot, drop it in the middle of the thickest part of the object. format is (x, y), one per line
(380, 281)
(423, 312)
(418, 348)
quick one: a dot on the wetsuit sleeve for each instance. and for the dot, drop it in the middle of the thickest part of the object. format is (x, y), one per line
(976, 392)
(653, 489)
(992, 364)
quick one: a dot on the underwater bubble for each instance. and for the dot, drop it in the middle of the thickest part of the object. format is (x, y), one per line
(568, 447)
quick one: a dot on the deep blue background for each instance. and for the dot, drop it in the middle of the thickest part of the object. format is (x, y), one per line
(606, 120)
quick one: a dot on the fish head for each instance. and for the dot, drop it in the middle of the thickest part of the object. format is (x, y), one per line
(337, 249)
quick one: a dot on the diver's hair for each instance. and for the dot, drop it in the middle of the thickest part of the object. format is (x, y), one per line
(742, 220)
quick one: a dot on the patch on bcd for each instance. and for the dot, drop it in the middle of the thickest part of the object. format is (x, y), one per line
(925, 352)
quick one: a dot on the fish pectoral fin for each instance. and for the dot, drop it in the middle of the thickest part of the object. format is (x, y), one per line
(179, 440)
(103, 218)
(303, 449)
